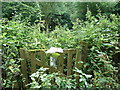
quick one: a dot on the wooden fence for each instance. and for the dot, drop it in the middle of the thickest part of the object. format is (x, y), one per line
(67, 60)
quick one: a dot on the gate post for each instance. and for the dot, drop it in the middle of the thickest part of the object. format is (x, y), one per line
(81, 55)
(24, 66)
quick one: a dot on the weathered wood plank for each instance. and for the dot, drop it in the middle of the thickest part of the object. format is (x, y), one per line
(78, 59)
(69, 63)
(38, 62)
(78, 64)
(33, 61)
(42, 54)
(61, 63)
(84, 51)
(36, 50)
(67, 50)
(24, 65)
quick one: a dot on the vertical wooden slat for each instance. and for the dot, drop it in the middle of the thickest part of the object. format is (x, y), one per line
(33, 62)
(69, 63)
(42, 56)
(61, 62)
(24, 65)
(78, 59)
(84, 51)
(78, 64)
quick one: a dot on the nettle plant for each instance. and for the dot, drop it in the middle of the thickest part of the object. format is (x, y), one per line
(102, 35)
(63, 38)
(43, 79)
(12, 40)
(17, 34)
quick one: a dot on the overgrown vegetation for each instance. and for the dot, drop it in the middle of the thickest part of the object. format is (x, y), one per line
(101, 33)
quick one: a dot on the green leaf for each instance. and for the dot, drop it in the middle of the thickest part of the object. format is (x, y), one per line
(55, 55)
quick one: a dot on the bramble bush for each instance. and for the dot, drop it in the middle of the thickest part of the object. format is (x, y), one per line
(99, 32)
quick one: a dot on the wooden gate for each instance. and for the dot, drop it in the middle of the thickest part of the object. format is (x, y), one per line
(67, 60)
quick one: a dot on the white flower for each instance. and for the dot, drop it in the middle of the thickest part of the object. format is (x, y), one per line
(54, 50)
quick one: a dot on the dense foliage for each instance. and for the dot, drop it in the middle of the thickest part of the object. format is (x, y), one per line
(101, 32)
